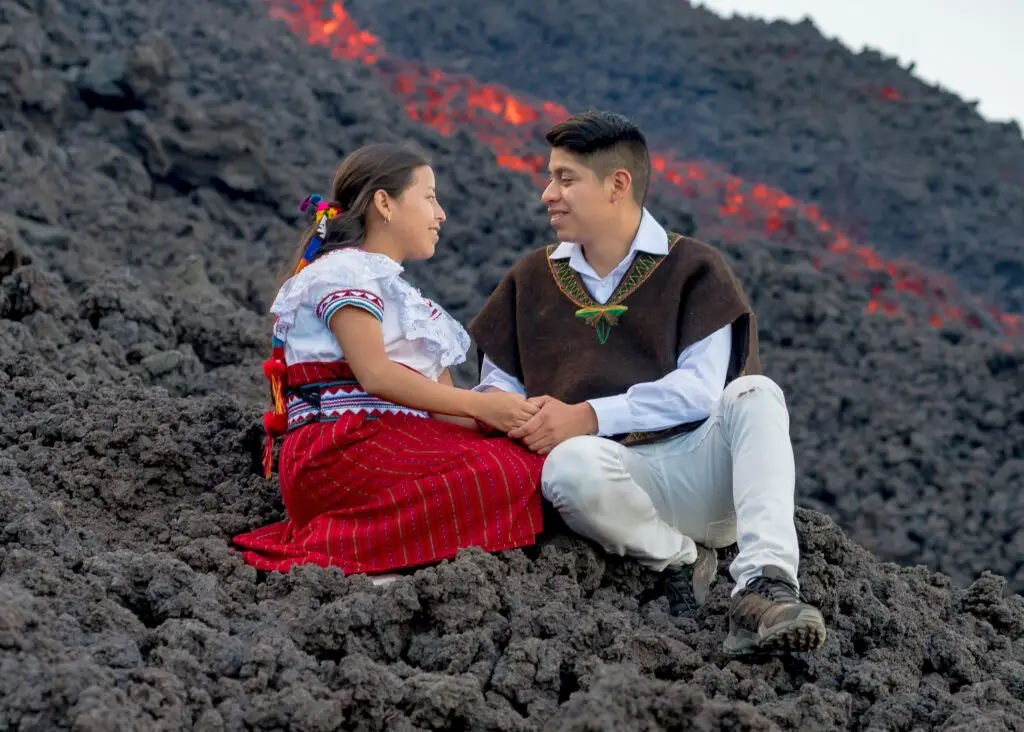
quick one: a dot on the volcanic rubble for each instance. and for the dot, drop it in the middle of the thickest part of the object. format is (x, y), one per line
(151, 157)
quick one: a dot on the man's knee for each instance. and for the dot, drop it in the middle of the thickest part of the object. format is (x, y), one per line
(755, 399)
(754, 385)
(572, 470)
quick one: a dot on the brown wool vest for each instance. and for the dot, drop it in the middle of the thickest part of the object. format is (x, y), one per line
(542, 326)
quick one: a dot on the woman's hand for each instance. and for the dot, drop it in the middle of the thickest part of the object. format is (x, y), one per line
(502, 410)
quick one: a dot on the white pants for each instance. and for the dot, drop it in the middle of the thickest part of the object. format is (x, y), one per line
(731, 480)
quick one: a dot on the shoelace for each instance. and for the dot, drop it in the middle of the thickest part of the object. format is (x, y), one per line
(776, 590)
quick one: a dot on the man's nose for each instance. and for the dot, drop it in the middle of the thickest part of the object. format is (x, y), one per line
(550, 193)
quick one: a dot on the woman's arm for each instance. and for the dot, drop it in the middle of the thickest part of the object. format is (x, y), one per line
(359, 335)
(472, 424)
(361, 340)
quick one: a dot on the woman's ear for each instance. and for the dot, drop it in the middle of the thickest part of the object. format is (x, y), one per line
(382, 202)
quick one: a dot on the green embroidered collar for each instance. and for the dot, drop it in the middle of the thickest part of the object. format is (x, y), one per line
(602, 318)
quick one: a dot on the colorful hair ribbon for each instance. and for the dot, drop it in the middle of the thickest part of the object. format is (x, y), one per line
(275, 420)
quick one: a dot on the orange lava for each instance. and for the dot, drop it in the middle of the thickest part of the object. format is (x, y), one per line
(513, 127)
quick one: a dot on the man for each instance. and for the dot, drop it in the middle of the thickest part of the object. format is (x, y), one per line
(664, 442)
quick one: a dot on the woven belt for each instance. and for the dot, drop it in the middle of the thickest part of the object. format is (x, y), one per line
(326, 402)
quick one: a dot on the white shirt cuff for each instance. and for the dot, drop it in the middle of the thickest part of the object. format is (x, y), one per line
(499, 381)
(613, 415)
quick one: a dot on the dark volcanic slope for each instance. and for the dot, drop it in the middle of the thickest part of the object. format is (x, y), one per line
(913, 171)
(147, 184)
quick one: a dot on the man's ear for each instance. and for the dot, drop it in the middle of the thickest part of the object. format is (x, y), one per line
(621, 184)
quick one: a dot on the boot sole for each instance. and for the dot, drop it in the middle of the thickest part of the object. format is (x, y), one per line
(806, 632)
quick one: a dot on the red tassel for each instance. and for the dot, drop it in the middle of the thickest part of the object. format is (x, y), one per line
(273, 367)
(268, 456)
(275, 424)
(276, 371)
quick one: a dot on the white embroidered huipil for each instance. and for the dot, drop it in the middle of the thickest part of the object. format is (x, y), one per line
(735, 473)
(417, 332)
(370, 493)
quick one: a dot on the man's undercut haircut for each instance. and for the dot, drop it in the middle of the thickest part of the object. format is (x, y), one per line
(605, 142)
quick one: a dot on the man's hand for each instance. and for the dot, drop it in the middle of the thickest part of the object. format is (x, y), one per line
(555, 423)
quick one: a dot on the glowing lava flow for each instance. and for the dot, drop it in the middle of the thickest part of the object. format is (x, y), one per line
(514, 128)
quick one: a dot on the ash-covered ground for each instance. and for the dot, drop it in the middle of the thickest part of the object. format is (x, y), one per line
(151, 159)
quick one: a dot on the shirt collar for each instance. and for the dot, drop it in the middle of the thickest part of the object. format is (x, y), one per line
(650, 237)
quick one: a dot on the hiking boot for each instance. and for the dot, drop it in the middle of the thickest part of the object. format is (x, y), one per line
(687, 587)
(770, 616)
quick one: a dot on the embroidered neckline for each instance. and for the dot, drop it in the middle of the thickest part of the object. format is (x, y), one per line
(379, 263)
(602, 318)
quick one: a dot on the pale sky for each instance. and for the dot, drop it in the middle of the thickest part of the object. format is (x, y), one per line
(973, 48)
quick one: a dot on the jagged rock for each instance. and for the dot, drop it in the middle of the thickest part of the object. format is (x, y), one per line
(142, 231)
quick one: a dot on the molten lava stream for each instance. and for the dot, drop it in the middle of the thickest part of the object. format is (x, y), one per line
(513, 127)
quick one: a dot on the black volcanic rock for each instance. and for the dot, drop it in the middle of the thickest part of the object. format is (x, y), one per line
(151, 158)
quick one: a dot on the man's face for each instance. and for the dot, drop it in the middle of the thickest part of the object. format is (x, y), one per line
(578, 202)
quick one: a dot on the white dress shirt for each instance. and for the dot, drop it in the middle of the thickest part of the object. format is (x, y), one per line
(683, 395)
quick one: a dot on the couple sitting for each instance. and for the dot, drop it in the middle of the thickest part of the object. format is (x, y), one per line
(620, 380)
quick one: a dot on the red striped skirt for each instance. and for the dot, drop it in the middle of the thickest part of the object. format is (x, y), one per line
(375, 492)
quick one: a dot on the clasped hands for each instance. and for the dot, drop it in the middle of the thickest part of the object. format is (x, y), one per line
(540, 422)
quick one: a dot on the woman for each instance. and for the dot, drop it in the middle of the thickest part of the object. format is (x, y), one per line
(383, 464)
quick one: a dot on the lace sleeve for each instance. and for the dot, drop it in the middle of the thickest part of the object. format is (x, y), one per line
(422, 321)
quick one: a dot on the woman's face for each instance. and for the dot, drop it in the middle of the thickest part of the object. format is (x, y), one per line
(418, 216)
